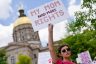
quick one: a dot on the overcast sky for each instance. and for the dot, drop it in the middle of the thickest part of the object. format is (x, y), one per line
(9, 13)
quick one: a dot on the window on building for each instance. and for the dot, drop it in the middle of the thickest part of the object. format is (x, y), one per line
(16, 38)
(47, 44)
(36, 62)
(22, 38)
(13, 60)
(35, 56)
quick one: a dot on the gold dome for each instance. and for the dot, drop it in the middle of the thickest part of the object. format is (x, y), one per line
(22, 20)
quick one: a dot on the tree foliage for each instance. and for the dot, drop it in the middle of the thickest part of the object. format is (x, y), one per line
(82, 30)
(23, 59)
(82, 42)
(3, 58)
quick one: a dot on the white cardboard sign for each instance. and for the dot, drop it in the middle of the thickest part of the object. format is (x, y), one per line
(44, 58)
(52, 12)
(85, 57)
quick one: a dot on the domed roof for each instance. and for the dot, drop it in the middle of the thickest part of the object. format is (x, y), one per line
(22, 20)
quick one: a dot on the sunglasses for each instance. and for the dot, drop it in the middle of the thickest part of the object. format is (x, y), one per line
(65, 50)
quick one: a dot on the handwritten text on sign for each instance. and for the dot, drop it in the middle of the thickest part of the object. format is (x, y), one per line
(52, 12)
(85, 57)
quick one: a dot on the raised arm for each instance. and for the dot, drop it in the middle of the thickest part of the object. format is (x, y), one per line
(50, 43)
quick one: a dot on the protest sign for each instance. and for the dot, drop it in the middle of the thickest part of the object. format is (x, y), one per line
(44, 58)
(52, 12)
(85, 57)
(78, 60)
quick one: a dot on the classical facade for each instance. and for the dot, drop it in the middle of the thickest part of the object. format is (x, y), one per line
(25, 40)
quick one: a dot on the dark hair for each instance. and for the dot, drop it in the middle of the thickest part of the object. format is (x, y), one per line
(59, 49)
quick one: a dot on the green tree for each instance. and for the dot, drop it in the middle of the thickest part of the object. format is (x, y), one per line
(3, 58)
(82, 30)
(82, 42)
(85, 18)
(23, 59)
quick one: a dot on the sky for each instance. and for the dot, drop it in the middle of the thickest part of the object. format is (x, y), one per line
(9, 13)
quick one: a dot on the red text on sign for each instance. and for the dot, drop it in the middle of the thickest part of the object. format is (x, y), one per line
(52, 5)
(48, 18)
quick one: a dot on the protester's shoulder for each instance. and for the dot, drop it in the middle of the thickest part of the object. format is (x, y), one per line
(58, 61)
(74, 62)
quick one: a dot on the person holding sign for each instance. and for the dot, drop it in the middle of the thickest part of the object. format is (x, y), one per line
(64, 50)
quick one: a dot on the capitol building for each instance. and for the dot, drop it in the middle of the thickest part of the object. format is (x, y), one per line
(25, 40)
